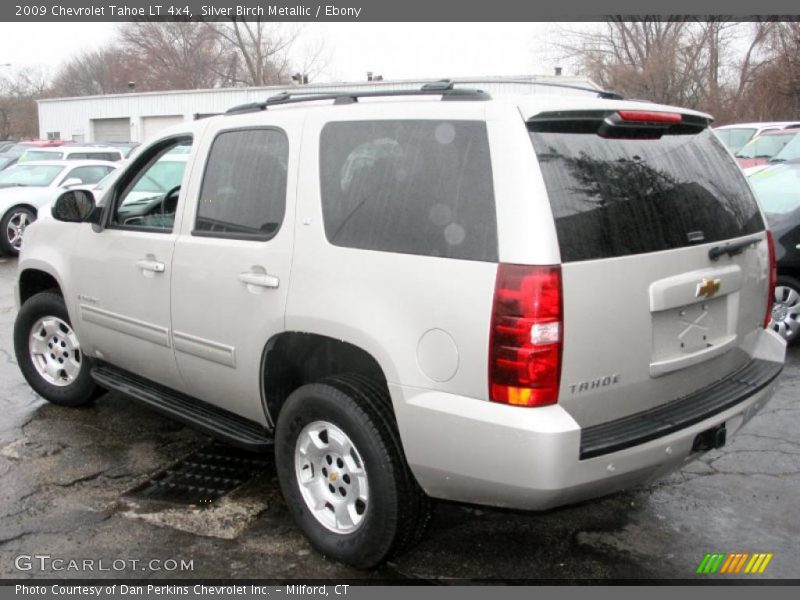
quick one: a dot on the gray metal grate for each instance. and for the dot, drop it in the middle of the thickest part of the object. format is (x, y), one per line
(203, 477)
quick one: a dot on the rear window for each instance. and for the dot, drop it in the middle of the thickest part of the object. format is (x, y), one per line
(736, 137)
(617, 197)
(414, 187)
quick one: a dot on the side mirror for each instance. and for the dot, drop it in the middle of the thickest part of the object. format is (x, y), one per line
(72, 181)
(73, 206)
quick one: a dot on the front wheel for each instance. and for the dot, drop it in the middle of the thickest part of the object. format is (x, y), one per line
(343, 474)
(786, 310)
(12, 228)
(49, 353)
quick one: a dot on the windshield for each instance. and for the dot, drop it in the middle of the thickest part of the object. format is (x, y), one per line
(765, 146)
(16, 150)
(736, 137)
(32, 155)
(617, 197)
(790, 151)
(30, 175)
(778, 188)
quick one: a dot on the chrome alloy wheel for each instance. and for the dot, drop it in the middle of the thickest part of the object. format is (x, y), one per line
(331, 477)
(55, 351)
(15, 229)
(786, 312)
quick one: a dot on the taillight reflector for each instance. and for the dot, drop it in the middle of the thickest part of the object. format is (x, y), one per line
(646, 116)
(526, 335)
(773, 277)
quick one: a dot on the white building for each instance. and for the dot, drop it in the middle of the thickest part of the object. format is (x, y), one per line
(138, 116)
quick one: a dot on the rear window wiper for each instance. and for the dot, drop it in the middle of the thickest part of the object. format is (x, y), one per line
(732, 249)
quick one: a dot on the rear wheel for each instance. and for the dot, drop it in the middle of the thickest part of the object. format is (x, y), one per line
(12, 228)
(786, 310)
(49, 353)
(343, 474)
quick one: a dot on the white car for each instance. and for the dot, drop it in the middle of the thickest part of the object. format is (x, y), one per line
(735, 136)
(25, 188)
(73, 153)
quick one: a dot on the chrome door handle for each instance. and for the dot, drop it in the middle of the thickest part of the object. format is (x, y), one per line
(259, 279)
(145, 264)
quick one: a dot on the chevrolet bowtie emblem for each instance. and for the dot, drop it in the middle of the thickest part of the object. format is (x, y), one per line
(707, 288)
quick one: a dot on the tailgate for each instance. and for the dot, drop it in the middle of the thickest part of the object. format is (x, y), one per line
(653, 310)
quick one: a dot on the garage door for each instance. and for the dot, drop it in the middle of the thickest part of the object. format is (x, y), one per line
(152, 125)
(111, 130)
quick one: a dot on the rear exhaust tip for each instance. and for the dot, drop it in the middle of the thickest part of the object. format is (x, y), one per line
(711, 439)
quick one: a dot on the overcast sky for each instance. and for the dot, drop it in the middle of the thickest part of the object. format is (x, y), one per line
(394, 50)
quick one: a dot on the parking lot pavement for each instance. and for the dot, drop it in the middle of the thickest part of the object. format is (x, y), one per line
(64, 473)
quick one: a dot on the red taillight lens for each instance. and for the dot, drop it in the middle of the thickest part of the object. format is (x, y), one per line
(773, 277)
(646, 116)
(526, 336)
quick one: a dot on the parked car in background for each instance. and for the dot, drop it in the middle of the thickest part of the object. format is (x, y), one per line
(777, 188)
(126, 148)
(24, 189)
(73, 153)
(790, 152)
(7, 160)
(735, 136)
(4, 145)
(764, 146)
(11, 154)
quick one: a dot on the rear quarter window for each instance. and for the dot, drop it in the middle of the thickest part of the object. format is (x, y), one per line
(414, 186)
(617, 197)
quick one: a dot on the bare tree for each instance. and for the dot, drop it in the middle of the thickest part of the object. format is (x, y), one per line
(173, 55)
(711, 65)
(18, 93)
(257, 52)
(105, 71)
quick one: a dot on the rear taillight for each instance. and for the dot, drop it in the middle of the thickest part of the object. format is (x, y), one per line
(773, 276)
(526, 335)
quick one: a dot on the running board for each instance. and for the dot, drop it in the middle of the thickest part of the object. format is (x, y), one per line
(215, 421)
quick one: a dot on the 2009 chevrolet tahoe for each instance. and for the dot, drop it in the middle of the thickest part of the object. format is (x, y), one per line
(513, 301)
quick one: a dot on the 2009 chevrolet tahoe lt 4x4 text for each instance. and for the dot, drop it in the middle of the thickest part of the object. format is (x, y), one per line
(513, 301)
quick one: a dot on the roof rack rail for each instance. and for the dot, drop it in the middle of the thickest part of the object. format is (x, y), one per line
(442, 88)
(605, 94)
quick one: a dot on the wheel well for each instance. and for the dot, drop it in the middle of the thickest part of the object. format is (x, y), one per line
(789, 272)
(33, 281)
(293, 359)
(28, 206)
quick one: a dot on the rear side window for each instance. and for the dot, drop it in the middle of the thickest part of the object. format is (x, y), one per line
(244, 187)
(413, 187)
(109, 156)
(617, 197)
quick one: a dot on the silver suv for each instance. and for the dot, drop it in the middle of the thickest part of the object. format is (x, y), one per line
(513, 301)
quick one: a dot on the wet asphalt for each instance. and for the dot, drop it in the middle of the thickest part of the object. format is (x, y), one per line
(64, 475)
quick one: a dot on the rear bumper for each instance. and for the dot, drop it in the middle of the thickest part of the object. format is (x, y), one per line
(480, 452)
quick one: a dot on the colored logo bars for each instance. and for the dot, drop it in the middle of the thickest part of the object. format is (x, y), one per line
(736, 562)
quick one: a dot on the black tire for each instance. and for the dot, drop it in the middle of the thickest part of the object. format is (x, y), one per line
(794, 285)
(398, 509)
(82, 389)
(5, 242)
